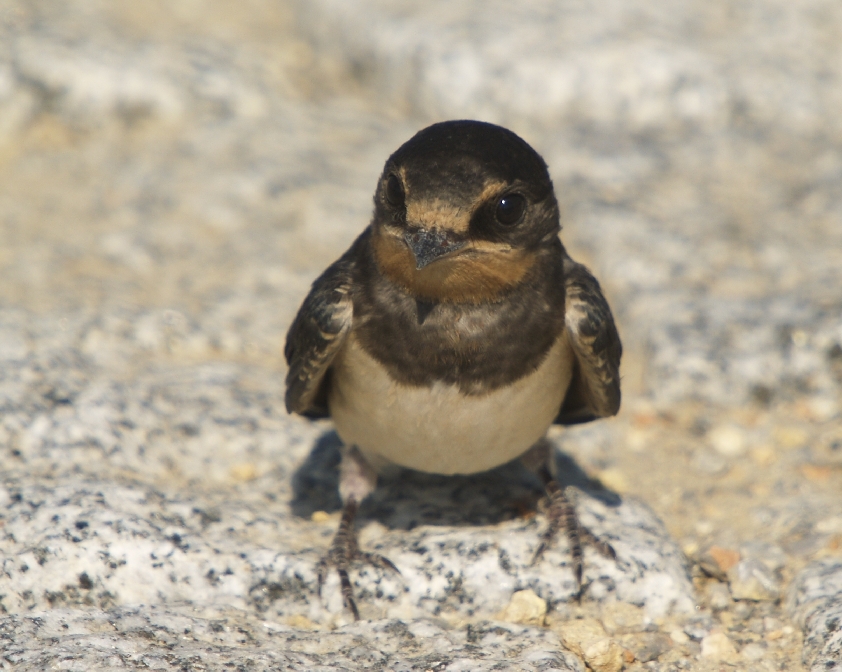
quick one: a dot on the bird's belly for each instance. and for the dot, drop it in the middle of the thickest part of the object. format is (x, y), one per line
(439, 429)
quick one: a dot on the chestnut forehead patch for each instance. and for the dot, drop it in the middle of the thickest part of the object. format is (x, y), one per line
(444, 213)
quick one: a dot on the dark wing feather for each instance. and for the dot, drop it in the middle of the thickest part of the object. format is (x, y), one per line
(315, 337)
(594, 391)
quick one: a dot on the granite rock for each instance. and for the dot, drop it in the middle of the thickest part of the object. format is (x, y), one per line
(171, 639)
(815, 602)
(81, 540)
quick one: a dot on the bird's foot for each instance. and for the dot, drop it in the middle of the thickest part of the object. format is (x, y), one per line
(344, 551)
(562, 514)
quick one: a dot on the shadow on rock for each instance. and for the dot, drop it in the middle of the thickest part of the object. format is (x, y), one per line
(405, 499)
(315, 484)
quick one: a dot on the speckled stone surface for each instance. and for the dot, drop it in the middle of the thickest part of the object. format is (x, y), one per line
(161, 639)
(815, 602)
(96, 529)
(174, 175)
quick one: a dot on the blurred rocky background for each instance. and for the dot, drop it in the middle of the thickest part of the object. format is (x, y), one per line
(173, 175)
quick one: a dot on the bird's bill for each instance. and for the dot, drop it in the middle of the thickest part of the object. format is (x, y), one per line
(428, 245)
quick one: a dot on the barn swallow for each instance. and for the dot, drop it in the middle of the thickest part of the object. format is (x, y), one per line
(455, 330)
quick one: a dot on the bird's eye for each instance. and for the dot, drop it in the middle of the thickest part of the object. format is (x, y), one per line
(510, 209)
(394, 191)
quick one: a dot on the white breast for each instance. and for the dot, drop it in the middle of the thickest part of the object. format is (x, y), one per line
(439, 429)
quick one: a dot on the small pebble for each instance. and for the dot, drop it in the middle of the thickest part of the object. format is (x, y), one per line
(771, 555)
(716, 561)
(244, 471)
(790, 437)
(622, 617)
(525, 608)
(752, 580)
(708, 462)
(822, 409)
(299, 622)
(719, 597)
(753, 651)
(699, 627)
(725, 558)
(743, 610)
(829, 525)
(727, 440)
(770, 624)
(647, 646)
(818, 473)
(587, 638)
(614, 479)
(638, 439)
(717, 646)
(763, 455)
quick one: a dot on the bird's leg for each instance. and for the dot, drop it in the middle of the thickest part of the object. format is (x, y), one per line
(561, 513)
(357, 480)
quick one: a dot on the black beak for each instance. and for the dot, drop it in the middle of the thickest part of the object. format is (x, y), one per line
(427, 246)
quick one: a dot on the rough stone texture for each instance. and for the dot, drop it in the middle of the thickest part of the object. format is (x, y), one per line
(151, 638)
(174, 175)
(815, 602)
(98, 535)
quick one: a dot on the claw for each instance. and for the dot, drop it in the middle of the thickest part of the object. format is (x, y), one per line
(562, 514)
(347, 592)
(342, 552)
(321, 571)
(377, 560)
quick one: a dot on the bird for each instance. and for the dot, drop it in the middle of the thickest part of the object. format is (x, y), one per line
(454, 331)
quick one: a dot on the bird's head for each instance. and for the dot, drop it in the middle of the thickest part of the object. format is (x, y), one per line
(461, 212)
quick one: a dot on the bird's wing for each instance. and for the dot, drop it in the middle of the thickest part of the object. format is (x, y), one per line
(594, 390)
(316, 336)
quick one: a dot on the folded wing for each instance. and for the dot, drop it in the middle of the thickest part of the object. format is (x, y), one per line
(315, 337)
(594, 391)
